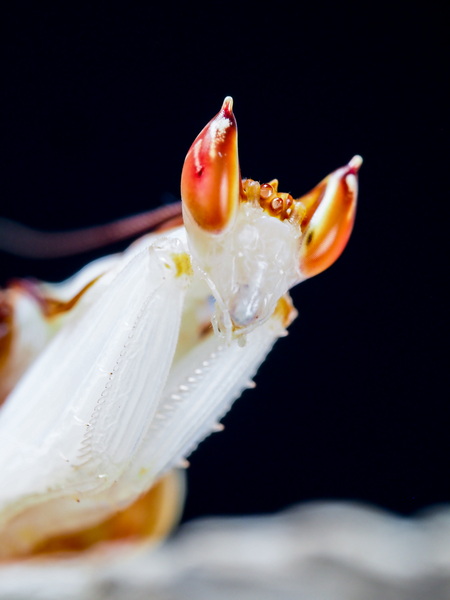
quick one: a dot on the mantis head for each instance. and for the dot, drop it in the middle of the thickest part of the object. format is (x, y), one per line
(251, 242)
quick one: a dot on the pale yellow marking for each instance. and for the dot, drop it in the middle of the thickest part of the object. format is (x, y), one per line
(183, 265)
(285, 310)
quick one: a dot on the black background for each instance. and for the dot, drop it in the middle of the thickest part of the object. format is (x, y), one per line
(98, 107)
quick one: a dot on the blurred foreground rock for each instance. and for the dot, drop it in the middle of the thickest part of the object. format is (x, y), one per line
(317, 551)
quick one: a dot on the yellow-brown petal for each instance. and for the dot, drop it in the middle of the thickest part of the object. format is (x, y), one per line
(148, 520)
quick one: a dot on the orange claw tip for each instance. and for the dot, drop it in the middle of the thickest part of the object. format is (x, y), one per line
(329, 216)
(227, 105)
(355, 163)
(210, 180)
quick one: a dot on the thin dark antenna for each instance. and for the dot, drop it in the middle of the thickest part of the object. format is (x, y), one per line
(27, 242)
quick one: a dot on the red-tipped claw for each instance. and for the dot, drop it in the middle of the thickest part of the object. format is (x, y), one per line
(210, 181)
(328, 221)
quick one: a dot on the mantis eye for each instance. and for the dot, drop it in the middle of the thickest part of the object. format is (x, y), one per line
(210, 180)
(328, 218)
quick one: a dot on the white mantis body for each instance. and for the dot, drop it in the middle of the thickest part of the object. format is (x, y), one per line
(135, 377)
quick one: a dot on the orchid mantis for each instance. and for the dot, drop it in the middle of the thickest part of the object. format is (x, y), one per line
(113, 377)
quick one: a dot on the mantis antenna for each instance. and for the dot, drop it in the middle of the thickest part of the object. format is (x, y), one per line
(27, 242)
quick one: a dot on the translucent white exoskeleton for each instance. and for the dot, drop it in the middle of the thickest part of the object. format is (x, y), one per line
(125, 384)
